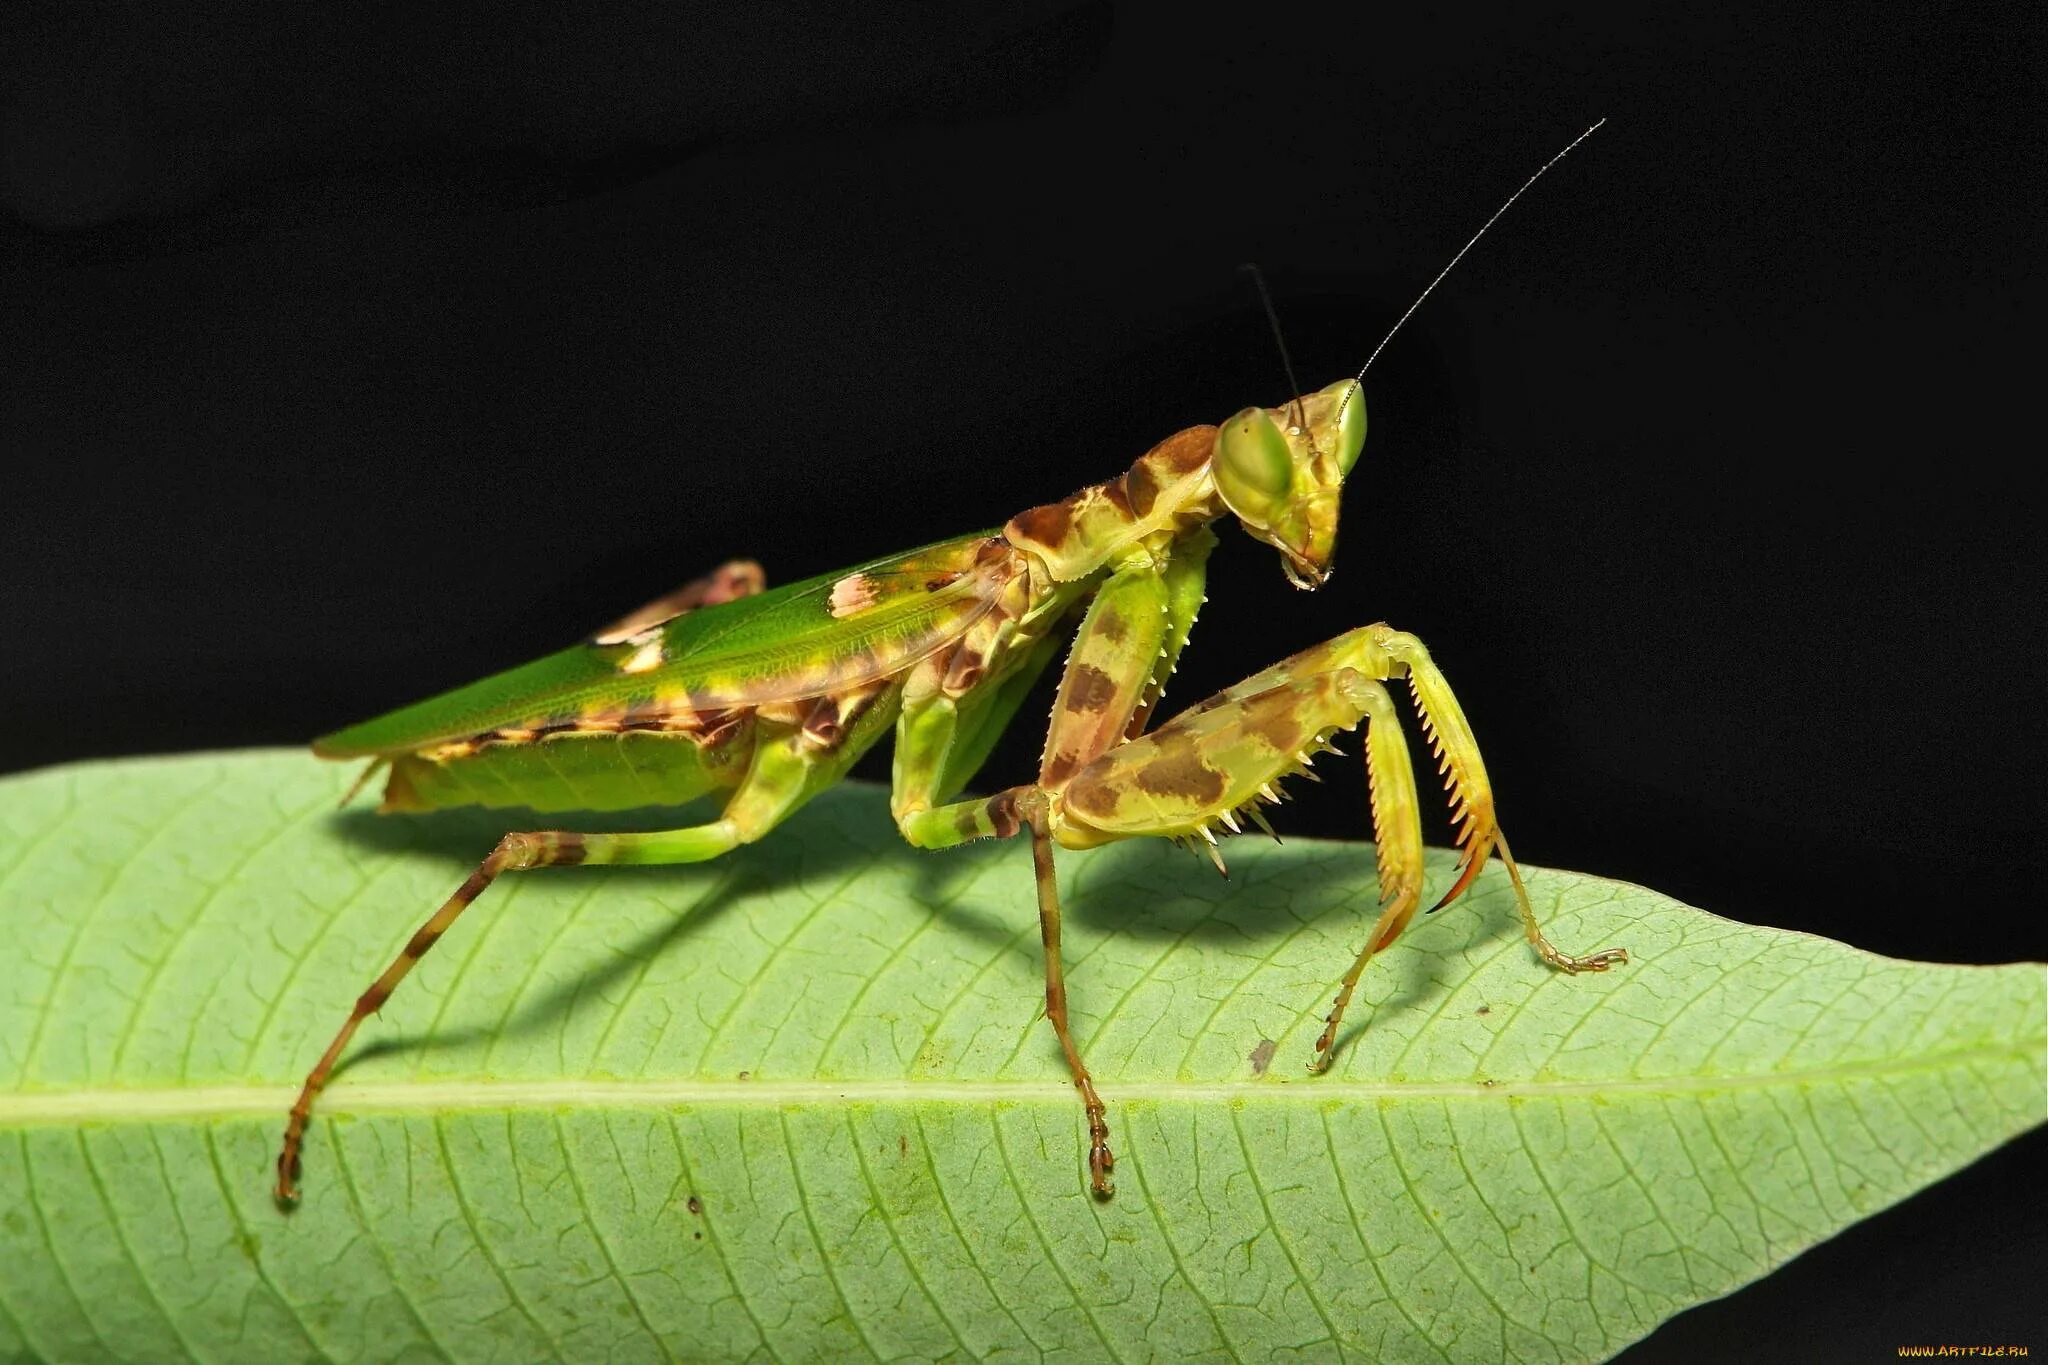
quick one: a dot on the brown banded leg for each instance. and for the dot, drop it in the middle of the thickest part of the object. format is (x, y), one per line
(999, 817)
(783, 773)
(515, 852)
(1101, 1161)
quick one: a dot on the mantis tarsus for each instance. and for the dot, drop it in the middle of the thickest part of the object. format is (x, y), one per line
(772, 695)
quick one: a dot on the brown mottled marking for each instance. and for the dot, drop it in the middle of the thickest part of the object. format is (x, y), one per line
(1111, 626)
(1117, 496)
(1003, 814)
(1091, 689)
(964, 670)
(1180, 771)
(1278, 728)
(1184, 452)
(965, 675)
(1140, 488)
(694, 1204)
(662, 717)
(825, 721)
(1046, 525)
(1059, 768)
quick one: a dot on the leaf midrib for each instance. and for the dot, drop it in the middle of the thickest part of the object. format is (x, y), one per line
(148, 1104)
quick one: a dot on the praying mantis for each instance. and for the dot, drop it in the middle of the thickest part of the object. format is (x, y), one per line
(769, 697)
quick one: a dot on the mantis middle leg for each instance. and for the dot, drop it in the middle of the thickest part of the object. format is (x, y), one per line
(1123, 652)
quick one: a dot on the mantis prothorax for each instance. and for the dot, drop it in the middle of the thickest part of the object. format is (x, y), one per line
(770, 696)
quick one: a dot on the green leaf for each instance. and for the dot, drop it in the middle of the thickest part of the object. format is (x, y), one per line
(798, 1104)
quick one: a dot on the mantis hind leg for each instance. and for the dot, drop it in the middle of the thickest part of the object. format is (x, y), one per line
(787, 769)
(515, 853)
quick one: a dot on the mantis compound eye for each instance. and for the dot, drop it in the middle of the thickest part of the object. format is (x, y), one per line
(1347, 400)
(1253, 465)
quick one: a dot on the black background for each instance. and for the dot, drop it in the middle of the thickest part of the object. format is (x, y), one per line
(349, 358)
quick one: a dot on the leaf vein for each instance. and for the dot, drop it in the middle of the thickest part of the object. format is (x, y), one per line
(603, 1247)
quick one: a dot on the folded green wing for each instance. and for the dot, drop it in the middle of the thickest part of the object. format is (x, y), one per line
(810, 638)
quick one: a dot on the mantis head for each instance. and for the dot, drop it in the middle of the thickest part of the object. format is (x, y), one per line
(1281, 470)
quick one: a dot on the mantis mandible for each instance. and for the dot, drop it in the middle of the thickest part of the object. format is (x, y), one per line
(770, 697)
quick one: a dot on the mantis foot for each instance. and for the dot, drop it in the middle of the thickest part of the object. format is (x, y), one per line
(1101, 1161)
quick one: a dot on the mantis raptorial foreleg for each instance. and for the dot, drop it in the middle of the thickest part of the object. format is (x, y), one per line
(1224, 755)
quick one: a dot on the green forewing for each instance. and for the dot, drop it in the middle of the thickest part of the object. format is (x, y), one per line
(773, 646)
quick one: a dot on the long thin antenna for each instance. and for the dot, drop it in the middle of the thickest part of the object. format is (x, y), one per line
(1360, 379)
(1273, 318)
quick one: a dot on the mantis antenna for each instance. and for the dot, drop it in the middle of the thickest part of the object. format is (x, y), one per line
(1273, 318)
(1360, 379)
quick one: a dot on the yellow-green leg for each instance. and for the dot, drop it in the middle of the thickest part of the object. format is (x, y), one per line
(1219, 758)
